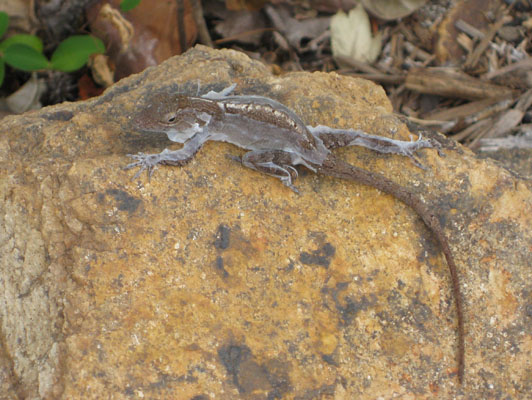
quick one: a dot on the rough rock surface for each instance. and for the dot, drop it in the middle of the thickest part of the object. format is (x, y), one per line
(214, 281)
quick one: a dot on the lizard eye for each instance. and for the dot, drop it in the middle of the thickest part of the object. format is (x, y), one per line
(171, 118)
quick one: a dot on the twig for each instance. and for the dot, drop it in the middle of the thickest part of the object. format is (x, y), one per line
(451, 83)
(474, 56)
(203, 32)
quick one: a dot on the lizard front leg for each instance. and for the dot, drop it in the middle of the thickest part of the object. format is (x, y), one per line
(277, 163)
(149, 162)
(335, 138)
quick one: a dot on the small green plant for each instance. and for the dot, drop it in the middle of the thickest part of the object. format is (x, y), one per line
(127, 5)
(24, 52)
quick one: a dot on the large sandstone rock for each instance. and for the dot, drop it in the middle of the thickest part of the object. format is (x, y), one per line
(214, 281)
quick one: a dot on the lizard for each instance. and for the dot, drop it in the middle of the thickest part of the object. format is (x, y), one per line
(278, 140)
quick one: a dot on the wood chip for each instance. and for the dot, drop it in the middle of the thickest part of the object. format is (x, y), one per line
(451, 83)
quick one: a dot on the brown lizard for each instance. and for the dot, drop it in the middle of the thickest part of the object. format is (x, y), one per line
(277, 141)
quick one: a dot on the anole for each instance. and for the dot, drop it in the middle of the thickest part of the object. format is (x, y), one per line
(278, 140)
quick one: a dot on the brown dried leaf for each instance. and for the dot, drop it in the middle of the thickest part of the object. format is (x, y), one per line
(293, 29)
(244, 26)
(447, 47)
(145, 36)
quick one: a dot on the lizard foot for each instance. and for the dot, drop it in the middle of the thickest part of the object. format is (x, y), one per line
(408, 149)
(286, 173)
(146, 162)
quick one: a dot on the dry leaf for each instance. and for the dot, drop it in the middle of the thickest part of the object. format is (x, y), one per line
(295, 30)
(144, 36)
(244, 26)
(99, 66)
(447, 47)
(27, 96)
(351, 36)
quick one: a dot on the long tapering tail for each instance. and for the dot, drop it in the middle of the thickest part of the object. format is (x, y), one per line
(337, 168)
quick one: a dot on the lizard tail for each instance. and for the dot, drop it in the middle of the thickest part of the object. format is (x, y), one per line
(334, 167)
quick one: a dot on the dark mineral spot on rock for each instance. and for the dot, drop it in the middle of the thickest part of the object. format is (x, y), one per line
(321, 256)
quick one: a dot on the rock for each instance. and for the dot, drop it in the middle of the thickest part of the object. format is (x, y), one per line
(214, 281)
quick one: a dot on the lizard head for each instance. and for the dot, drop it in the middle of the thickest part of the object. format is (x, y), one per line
(179, 116)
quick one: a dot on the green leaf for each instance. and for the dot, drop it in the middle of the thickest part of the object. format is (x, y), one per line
(127, 5)
(73, 52)
(4, 22)
(2, 71)
(25, 58)
(29, 40)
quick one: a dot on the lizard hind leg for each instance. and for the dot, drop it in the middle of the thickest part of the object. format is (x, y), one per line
(335, 138)
(276, 163)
